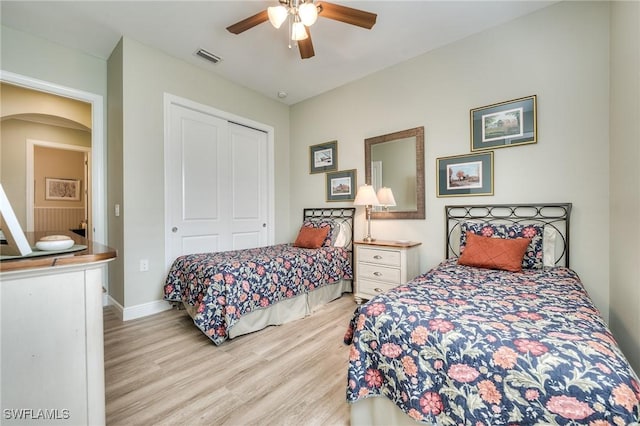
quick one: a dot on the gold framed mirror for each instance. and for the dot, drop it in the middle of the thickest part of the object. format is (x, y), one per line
(396, 161)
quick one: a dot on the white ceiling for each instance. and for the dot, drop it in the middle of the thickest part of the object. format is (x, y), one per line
(260, 58)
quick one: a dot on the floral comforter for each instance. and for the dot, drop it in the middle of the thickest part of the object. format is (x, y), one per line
(224, 286)
(470, 346)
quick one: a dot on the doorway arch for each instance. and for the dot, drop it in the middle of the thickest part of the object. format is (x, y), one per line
(31, 148)
(98, 179)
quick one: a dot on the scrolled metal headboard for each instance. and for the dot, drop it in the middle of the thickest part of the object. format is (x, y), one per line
(343, 215)
(555, 215)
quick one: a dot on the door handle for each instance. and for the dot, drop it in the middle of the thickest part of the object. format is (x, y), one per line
(174, 229)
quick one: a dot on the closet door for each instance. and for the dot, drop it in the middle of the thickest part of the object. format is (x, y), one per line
(249, 187)
(216, 184)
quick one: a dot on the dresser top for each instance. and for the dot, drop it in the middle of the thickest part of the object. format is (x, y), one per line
(94, 252)
(397, 243)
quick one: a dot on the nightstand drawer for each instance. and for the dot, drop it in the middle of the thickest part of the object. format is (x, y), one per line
(379, 273)
(370, 289)
(380, 257)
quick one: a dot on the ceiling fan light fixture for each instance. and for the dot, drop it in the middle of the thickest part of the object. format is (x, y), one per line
(298, 31)
(277, 15)
(308, 13)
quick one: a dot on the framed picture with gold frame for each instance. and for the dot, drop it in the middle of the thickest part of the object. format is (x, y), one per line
(504, 124)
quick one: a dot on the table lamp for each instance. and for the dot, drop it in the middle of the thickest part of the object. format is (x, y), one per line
(385, 198)
(366, 196)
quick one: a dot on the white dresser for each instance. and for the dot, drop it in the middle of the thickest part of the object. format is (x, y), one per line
(51, 340)
(382, 265)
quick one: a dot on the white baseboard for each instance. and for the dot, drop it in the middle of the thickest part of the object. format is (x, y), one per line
(138, 311)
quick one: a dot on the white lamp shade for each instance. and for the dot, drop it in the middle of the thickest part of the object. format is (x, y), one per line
(385, 197)
(298, 31)
(366, 196)
(277, 15)
(308, 13)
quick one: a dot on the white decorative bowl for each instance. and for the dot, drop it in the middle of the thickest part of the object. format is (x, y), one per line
(54, 242)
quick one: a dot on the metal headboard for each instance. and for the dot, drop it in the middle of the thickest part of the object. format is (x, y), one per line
(555, 215)
(343, 215)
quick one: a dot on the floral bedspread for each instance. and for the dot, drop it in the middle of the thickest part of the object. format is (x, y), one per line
(224, 286)
(470, 346)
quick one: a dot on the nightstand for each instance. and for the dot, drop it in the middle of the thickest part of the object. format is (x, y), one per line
(382, 265)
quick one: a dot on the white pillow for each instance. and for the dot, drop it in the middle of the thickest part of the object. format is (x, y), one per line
(549, 246)
(343, 235)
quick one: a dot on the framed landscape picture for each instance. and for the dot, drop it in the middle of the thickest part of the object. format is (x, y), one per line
(465, 175)
(323, 157)
(504, 124)
(341, 186)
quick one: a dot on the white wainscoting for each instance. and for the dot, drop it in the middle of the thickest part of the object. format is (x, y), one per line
(57, 218)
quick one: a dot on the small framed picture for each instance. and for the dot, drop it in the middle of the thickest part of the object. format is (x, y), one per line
(504, 124)
(341, 186)
(323, 157)
(62, 189)
(465, 175)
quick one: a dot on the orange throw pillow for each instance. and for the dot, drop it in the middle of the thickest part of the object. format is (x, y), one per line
(309, 237)
(494, 253)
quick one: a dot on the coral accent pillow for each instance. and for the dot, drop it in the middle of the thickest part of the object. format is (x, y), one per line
(309, 237)
(494, 253)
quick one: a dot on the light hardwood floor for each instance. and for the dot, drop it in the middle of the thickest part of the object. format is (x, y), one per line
(162, 370)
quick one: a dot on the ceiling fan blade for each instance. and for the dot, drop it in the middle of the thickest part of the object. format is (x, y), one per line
(347, 15)
(306, 46)
(248, 23)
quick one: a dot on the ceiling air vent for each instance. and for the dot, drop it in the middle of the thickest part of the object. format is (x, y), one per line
(208, 56)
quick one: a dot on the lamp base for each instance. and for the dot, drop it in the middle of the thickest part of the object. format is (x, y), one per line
(368, 239)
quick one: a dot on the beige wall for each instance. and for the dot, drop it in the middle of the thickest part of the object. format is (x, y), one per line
(625, 178)
(13, 155)
(17, 100)
(59, 164)
(115, 176)
(142, 165)
(32, 56)
(560, 53)
(63, 67)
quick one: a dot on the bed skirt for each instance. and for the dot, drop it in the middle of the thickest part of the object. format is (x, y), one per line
(286, 310)
(379, 411)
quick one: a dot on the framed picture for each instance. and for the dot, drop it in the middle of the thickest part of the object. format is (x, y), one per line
(341, 186)
(62, 189)
(323, 157)
(504, 124)
(465, 175)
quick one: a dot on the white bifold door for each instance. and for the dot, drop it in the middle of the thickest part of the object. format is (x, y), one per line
(217, 185)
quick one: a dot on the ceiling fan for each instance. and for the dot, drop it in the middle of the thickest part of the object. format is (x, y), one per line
(301, 14)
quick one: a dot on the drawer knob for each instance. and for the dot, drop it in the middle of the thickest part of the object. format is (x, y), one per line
(377, 257)
(378, 290)
(377, 274)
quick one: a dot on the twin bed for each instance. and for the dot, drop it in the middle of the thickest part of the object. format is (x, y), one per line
(479, 340)
(232, 293)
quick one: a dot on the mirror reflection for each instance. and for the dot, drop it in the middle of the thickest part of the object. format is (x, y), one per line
(394, 164)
